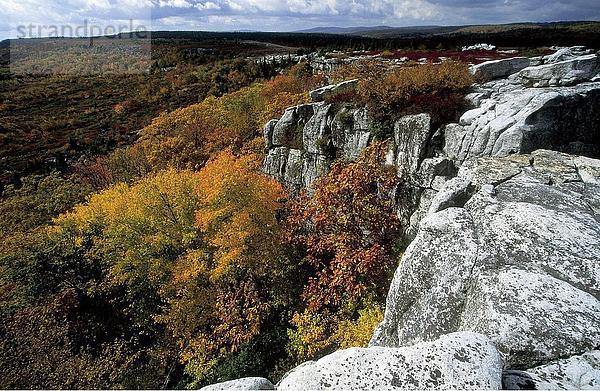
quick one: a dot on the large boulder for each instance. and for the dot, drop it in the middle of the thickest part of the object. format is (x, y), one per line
(499, 68)
(454, 361)
(316, 135)
(514, 258)
(565, 53)
(562, 73)
(327, 92)
(243, 384)
(303, 143)
(351, 130)
(287, 131)
(411, 137)
(268, 133)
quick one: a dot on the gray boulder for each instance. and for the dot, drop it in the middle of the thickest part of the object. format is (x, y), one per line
(314, 166)
(411, 136)
(351, 132)
(518, 262)
(275, 162)
(268, 132)
(499, 68)
(567, 53)
(329, 91)
(454, 361)
(515, 119)
(246, 384)
(581, 372)
(316, 135)
(562, 73)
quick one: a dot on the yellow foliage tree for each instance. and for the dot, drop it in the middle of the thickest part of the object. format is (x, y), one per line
(238, 211)
(138, 230)
(221, 297)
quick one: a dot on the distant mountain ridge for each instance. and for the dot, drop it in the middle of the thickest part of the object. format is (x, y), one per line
(392, 32)
(344, 30)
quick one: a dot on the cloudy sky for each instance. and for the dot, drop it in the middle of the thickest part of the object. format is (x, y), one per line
(281, 15)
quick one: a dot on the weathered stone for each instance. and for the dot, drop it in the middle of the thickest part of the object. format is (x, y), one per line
(455, 361)
(499, 68)
(520, 120)
(288, 130)
(566, 53)
(293, 170)
(268, 133)
(356, 142)
(489, 170)
(433, 168)
(275, 162)
(327, 92)
(316, 137)
(518, 264)
(421, 211)
(588, 169)
(559, 167)
(313, 166)
(427, 292)
(562, 73)
(580, 372)
(455, 192)
(361, 120)
(243, 384)
(411, 134)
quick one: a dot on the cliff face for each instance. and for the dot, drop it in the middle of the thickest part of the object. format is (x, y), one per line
(500, 287)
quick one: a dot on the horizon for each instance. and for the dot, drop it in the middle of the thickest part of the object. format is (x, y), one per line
(305, 30)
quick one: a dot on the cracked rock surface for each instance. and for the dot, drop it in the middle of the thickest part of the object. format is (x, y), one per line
(245, 383)
(457, 360)
(518, 261)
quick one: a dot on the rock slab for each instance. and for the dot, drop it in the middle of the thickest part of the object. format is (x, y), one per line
(454, 361)
(516, 260)
(243, 384)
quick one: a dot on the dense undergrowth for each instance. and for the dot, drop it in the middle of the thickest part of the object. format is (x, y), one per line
(175, 262)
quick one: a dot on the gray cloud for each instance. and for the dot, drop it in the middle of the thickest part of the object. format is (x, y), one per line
(288, 15)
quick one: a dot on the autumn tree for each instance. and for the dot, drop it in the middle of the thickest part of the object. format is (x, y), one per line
(226, 296)
(347, 232)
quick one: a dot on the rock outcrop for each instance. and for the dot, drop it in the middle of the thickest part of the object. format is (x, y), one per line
(327, 92)
(458, 360)
(302, 144)
(510, 249)
(511, 116)
(499, 68)
(500, 287)
(246, 383)
(580, 372)
(562, 73)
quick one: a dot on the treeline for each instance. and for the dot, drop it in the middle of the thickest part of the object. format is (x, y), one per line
(563, 34)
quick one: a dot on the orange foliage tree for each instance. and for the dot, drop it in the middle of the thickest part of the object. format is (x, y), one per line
(188, 137)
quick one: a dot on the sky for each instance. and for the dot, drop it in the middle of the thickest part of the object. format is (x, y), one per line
(273, 15)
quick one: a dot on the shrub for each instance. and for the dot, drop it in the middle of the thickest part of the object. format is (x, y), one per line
(317, 333)
(346, 118)
(433, 88)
